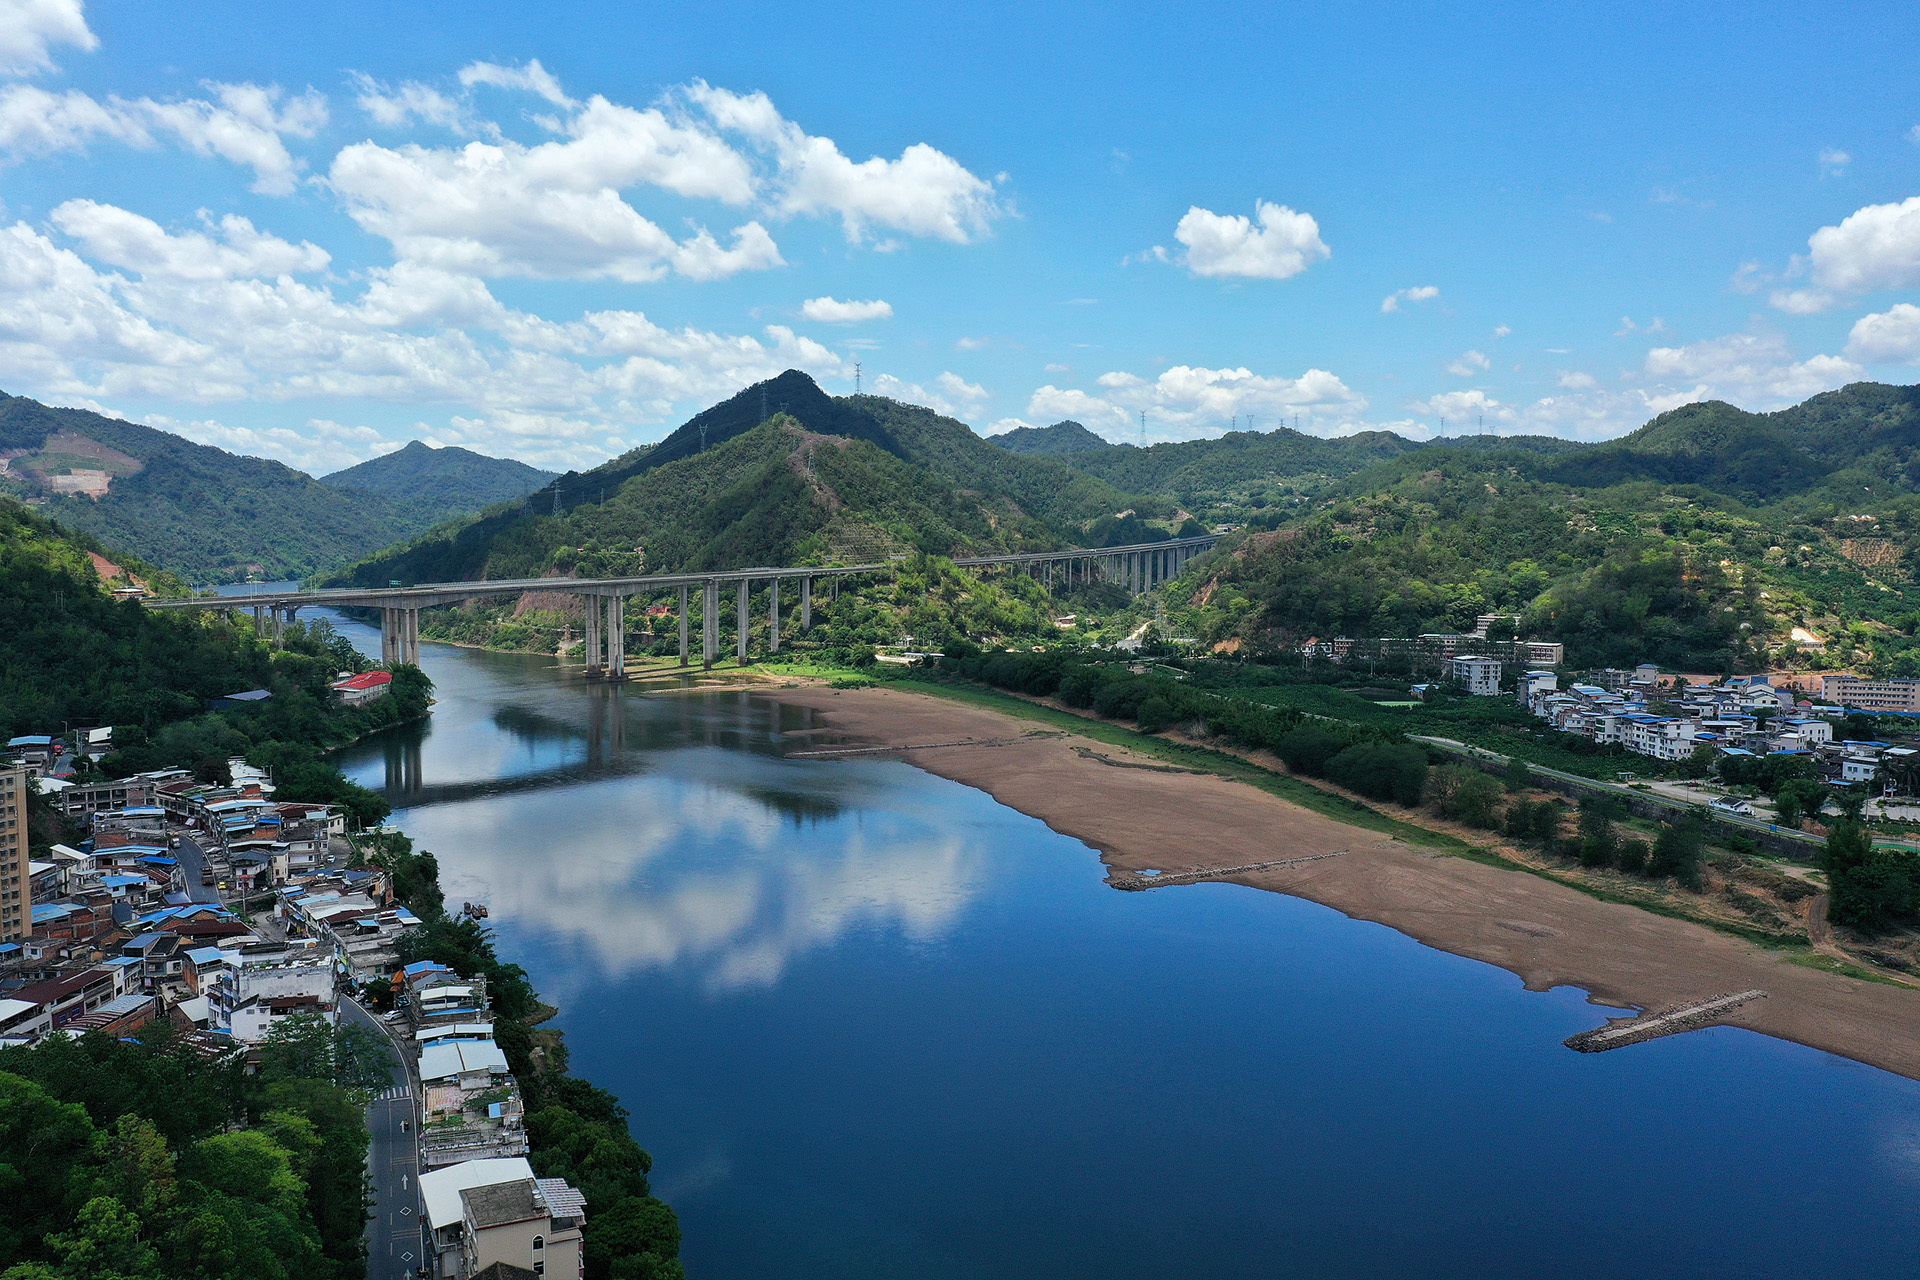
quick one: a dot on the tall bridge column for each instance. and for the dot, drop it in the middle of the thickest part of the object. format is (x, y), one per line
(260, 622)
(740, 628)
(773, 616)
(683, 626)
(410, 637)
(389, 637)
(279, 626)
(590, 615)
(710, 622)
(806, 604)
(617, 637)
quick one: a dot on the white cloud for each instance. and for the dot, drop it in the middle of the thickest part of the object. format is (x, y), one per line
(831, 310)
(1888, 337)
(1188, 403)
(1627, 326)
(530, 78)
(1800, 302)
(30, 28)
(1280, 244)
(244, 123)
(950, 393)
(1575, 380)
(1057, 368)
(396, 107)
(1876, 247)
(231, 247)
(1419, 293)
(924, 193)
(1753, 370)
(1503, 331)
(1468, 364)
(1833, 162)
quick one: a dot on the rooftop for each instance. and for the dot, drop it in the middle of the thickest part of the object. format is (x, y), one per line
(440, 1190)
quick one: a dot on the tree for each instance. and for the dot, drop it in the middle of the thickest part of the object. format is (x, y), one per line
(1465, 794)
(139, 1168)
(1382, 771)
(1155, 714)
(298, 1047)
(1676, 852)
(1631, 857)
(1597, 840)
(1519, 777)
(104, 1244)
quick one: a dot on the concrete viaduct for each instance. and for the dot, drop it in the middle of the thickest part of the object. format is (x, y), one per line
(1138, 568)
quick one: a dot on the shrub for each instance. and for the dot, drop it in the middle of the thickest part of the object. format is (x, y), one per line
(1467, 795)
(1382, 771)
(1155, 714)
(1307, 749)
(1631, 856)
(1676, 852)
(1519, 777)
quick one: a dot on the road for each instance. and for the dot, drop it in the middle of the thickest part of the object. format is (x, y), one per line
(394, 1247)
(193, 860)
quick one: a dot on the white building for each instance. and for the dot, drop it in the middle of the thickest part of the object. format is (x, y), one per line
(1481, 676)
(485, 1211)
(246, 997)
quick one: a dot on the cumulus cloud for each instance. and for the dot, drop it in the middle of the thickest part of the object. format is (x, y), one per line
(1877, 247)
(398, 106)
(950, 393)
(242, 123)
(1273, 245)
(1503, 331)
(1185, 402)
(29, 30)
(1833, 162)
(833, 311)
(1753, 370)
(217, 314)
(1575, 380)
(1419, 293)
(925, 192)
(1469, 364)
(1887, 337)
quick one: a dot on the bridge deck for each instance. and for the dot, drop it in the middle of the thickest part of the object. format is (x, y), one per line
(429, 594)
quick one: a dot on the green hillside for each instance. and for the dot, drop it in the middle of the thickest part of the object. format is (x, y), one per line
(1061, 437)
(204, 513)
(435, 484)
(827, 478)
(1699, 542)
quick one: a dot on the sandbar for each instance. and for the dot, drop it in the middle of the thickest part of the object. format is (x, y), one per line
(1547, 933)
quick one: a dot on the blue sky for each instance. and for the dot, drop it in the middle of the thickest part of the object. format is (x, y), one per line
(314, 232)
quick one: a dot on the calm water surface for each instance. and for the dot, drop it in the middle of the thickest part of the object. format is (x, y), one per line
(872, 1024)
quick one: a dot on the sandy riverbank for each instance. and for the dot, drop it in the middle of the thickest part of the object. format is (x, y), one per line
(1547, 933)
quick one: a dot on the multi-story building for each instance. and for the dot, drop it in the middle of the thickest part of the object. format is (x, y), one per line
(1481, 676)
(16, 894)
(1871, 695)
(483, 1212)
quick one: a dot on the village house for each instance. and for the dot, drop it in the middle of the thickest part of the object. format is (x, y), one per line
(486, 1212)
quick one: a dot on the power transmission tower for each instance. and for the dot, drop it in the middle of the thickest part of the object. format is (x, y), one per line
(856, 377)
(1143, 428)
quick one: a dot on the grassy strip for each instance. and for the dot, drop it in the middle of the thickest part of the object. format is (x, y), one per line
(1828, 964)
(1293, 790)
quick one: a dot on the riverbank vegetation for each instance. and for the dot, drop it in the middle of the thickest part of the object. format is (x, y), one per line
(146, 1159)
(577, 1130)
(71, 654)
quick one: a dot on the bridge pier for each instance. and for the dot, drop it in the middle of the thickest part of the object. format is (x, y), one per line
(590, 615)
(740, 621)
(773, 616)
(806, 604)
(616, 637)
(710, 623)
(683, 626)
(409, 636)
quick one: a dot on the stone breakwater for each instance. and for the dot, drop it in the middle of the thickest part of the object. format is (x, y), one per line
(1620, 1032)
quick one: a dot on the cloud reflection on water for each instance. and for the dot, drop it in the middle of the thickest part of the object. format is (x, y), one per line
(727, 883)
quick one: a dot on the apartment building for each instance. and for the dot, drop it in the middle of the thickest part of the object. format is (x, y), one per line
(16, 895)
(1871, 695)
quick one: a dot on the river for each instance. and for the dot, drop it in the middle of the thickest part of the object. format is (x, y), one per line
(872, 1024)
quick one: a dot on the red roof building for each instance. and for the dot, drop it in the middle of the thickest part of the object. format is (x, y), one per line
(363, 688)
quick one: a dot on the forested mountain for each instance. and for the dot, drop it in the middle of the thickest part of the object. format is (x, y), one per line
(832, 478)
(202, 512)
(1061, 437)
(435, 484)
(1700, 541)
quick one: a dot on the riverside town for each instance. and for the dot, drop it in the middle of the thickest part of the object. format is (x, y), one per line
(624, 657)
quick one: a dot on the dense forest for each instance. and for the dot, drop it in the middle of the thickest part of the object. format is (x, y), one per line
(141, 1159)
(438, 484)
(213, 516)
